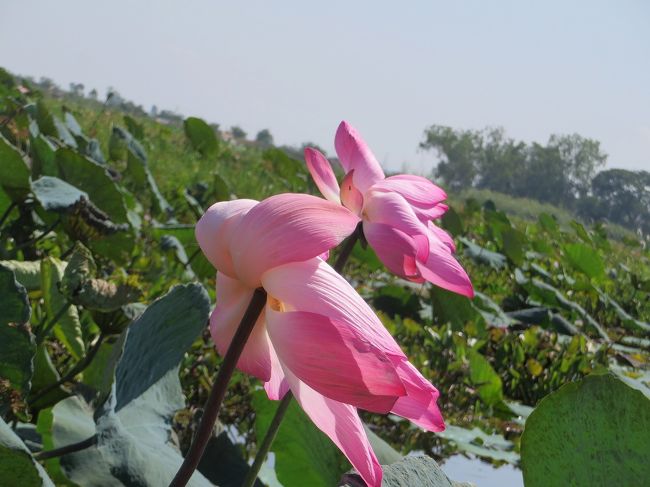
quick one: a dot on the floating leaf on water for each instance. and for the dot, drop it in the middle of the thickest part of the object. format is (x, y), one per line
(476, 441)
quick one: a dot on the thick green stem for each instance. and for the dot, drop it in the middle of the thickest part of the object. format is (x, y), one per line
(7, 212)
(213, 404)
(46, 327)
(265, 446)
(64, 450)
(271, 433)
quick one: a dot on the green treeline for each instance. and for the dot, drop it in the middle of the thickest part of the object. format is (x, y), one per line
(564, 172)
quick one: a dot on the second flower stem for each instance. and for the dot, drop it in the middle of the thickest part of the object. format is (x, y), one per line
(213, 404)
(265, 446)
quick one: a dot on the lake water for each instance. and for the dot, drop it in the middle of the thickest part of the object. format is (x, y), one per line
(463, 469)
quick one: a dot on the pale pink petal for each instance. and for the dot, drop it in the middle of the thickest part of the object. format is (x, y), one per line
(277, 386)
(443, 270)
(443, 236)
(419, 405)
(331, 357)
(214, 230)
(321, 172)
(342, 424)
(355, 154)
(396, 250)
(233, 298)
(392, 209)
(351, 197)
(315, 287)
(417, 190)
(287, 228)
(427, 214)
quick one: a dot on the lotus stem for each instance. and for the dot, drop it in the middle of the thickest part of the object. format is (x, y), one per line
(213, 404)
(272, 432)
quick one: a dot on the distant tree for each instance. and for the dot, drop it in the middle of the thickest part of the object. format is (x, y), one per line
(459, 151)
(623, 197)
(544, 176)
(238, 133)
(500, 162)
(264, 138)
(77, 89)
(93, 94)
(582, 157)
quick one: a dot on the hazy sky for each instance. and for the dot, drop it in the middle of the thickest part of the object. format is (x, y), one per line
(390, 68)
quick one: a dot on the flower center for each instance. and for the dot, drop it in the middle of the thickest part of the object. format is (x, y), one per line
(275, 304)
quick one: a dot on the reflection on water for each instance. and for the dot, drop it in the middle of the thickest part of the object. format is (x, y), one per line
(463, 469)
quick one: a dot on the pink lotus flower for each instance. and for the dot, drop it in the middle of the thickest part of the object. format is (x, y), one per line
(396, 213)
(316, 335)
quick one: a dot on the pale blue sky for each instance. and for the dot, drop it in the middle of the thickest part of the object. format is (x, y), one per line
(390, 68)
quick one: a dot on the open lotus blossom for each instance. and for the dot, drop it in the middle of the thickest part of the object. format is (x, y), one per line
(397, 213)
(316, 336)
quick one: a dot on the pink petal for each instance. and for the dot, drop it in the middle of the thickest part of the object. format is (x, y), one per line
(351, 197)
(419, 405)
(315, 287)
(321, 172)
(392, 209)
(443, 236)
(342, 424)
(442, 269)
(427, 214)
(417, 190)
(233, 298)
(331, 357)
(355, 154)
(287, 228)
(397, 251)
(277, 386)
(214, 230)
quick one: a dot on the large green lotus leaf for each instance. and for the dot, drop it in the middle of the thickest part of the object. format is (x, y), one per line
(56, 195)
(513, 245)
(626, 318)
(185, 235)
(134, 446)
(452, 222)
(14, 171)
(303, 454)
(483, 375)
(592, 432)
(93, 179)
(44, 120)
(52, 465)
(159, 338)
(223, 462)
(201, 136)
(397, 300)
(28, 273)
(585, 259)
(453, 308)
(548, 222)
(45, 374)
(68, 327)
(581, 232)
(43, 154)
(482, 255)
(17, 466)
(17, 346)
(480, 443)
